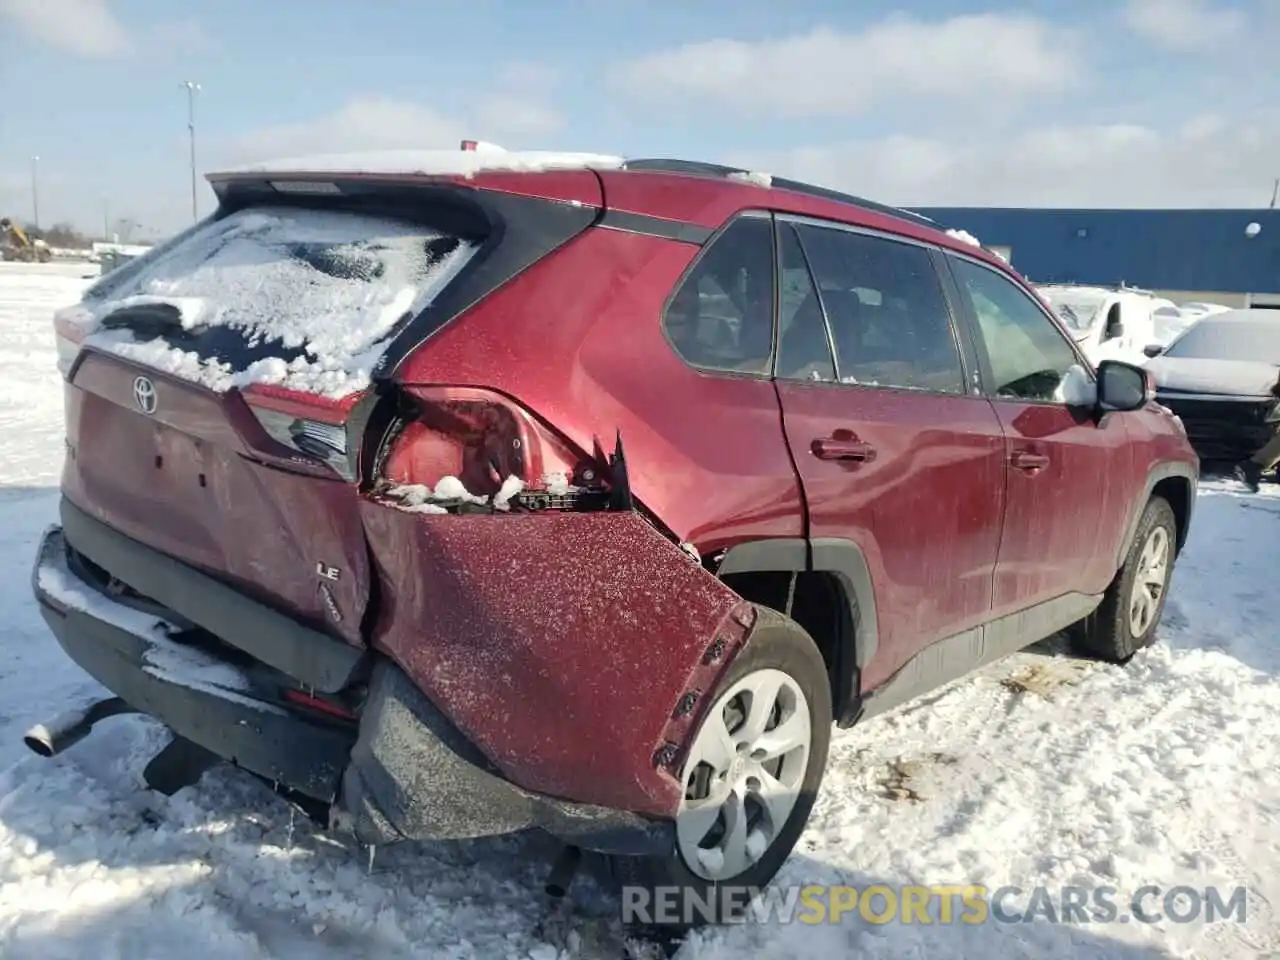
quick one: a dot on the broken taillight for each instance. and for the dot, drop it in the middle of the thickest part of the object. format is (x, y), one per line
(467, 448)
(310, 424)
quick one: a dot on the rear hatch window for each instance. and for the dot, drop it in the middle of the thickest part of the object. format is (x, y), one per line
(301, 297)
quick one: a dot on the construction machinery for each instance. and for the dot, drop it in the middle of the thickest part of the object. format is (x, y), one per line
(16, 244)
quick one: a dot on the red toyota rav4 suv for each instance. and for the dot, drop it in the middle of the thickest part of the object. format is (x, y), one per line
(460, 494)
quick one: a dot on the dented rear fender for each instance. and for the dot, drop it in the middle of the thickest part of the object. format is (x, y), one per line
(573, 649)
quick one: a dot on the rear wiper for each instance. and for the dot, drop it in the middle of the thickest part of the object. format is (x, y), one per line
(146, 319)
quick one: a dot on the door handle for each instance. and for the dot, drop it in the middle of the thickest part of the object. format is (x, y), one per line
(838, 448)
(1028, 461)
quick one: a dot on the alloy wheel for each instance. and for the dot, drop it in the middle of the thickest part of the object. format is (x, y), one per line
(744, 774)
(1149, 582)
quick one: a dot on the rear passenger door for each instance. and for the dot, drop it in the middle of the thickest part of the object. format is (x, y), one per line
(896, 450)
(1062, 516)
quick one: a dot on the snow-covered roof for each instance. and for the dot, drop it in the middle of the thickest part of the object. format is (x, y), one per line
(465, 163)
(964, 236)
(752, 177)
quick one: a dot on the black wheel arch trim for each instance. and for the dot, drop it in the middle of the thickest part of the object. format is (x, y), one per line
(858, 637)
(1173, 470)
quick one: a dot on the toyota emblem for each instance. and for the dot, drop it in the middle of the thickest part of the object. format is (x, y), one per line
(144, 395)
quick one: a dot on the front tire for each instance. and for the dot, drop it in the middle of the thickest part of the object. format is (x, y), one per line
(751, 778)
(1126, 620)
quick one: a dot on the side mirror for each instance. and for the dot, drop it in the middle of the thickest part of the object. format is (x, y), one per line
(1153, 349)
(1122, 386)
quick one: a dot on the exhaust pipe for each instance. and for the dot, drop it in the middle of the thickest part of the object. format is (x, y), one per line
(562, 872)
(67, 729)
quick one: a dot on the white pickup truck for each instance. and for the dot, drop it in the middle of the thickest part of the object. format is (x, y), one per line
(1110, 323)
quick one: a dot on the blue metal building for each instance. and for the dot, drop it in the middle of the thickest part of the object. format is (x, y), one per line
(1190, 251)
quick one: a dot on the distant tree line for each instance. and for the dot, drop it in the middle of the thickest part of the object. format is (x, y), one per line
(61, 234)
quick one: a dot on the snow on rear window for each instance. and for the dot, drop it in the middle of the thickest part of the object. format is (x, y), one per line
(298, 297)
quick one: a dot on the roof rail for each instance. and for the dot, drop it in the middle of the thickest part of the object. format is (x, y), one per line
(703, 169)
(692, 167)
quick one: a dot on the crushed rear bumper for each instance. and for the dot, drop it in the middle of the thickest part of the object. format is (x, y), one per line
(413, 775)
(402, 772)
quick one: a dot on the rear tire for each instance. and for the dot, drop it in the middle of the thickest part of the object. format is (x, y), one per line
(1126, 620)
(751, 779)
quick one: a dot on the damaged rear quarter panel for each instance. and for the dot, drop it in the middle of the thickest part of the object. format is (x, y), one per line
(560, 644)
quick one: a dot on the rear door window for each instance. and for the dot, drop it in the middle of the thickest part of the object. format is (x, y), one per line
(721, 315)
(884, 305)
(804, 347)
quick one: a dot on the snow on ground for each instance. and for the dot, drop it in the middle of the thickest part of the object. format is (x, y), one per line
(1041, 770)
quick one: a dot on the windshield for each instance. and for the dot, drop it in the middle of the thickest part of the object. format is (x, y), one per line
(1077, 309)
(1230, 336)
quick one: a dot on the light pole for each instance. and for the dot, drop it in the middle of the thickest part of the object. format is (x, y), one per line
(192, 87)
(35, 192)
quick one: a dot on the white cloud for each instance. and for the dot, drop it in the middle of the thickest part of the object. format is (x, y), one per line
(520, 104)
(360, 124)
(528, 77)
(1183, 24)
(183, 37)
(82, 27)
(375, 123)
(518, 116)
(1208, 161)
(825, 72)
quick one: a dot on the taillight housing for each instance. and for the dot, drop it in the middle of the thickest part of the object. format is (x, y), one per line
(69, 334)
(312, 425)
(473, 449)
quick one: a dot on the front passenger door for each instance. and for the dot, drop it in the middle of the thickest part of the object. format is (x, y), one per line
(1063, 518)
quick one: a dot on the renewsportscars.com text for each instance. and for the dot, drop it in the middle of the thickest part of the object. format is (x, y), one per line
(936, 904)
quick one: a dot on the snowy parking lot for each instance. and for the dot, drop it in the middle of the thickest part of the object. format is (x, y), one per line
(1041, 771)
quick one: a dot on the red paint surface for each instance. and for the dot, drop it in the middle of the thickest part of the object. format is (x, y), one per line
(926, 510)
(710, 202)
(576, 341)
(256, 525)
(560, 644)
(1063, 523)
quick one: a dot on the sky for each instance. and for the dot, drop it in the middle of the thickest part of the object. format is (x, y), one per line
(1134, 103)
